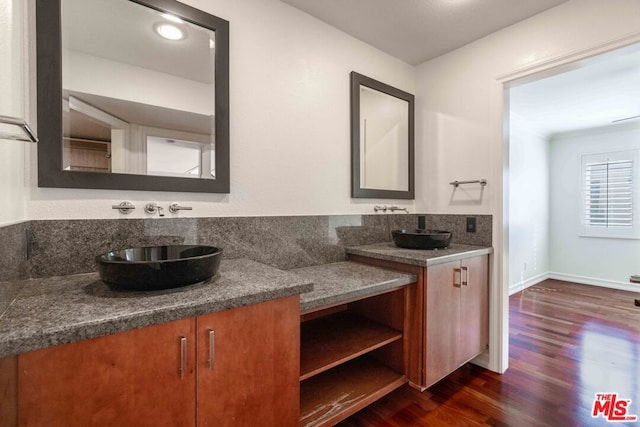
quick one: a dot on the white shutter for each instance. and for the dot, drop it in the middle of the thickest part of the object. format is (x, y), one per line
(609, 191)
(609, 194)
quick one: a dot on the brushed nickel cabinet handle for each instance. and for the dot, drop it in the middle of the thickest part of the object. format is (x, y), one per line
(457, 272)
(211, 347)
(465, 277)
(183, 356)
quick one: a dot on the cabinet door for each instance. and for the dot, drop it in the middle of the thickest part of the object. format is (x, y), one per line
(474, 307)
(442, 321)
(249, 365)
(125, 379)
(9, 391)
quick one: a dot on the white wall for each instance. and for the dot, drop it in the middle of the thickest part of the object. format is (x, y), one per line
(590, 260)
(290, 112)
(12, 186)
(457, 105)
(12, 103)
(290, 144)
(11, 42)
(459, 115)
(528, 204)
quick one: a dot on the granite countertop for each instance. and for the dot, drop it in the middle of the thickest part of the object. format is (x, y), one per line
(423, 257)
(40, 313)
(347, 281)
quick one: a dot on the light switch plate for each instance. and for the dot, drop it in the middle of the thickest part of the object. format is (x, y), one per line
(471, 224)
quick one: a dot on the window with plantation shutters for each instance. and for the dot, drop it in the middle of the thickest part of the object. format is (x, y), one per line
(610, 193)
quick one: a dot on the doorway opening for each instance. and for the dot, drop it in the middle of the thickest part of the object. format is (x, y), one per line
(574, 150)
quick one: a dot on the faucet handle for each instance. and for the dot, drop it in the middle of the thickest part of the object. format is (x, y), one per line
(124, 207)
(175, 208)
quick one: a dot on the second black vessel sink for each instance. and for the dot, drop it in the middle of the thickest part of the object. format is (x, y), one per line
(421, 239)
(159, 267)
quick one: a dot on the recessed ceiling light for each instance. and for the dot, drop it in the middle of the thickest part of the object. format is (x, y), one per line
(169, 31)
(172, 18)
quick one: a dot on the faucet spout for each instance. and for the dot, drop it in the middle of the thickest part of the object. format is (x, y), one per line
(152, 208)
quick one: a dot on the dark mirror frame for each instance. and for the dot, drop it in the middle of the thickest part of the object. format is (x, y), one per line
(49, 84)
(357, 191)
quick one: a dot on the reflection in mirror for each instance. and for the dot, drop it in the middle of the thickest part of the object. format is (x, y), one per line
(143, 95)
(384, 132)
(119, 80)
(381, 140)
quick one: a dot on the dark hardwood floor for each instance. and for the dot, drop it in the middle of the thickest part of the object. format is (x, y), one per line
(567, 343)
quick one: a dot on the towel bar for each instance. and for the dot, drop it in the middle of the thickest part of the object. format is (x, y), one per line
(482, 182)
(26, 135)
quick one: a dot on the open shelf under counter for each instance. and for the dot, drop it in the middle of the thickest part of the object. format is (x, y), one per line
(334, 395)
(355, 332)
(329, 341)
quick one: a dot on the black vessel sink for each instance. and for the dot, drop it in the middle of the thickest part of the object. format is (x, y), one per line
(421, 239)
(159, 267)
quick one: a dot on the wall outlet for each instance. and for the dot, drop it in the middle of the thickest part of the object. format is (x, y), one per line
(471, 224)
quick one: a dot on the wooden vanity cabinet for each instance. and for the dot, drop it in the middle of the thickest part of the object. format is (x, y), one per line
(449, 317)
(249, 366)
(129, 378)
(161, 375)
(456, 315)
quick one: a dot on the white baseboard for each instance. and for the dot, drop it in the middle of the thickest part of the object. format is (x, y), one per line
(613, 284)
(517, 287)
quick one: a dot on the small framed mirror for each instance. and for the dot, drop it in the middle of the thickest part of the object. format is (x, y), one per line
(382, 140)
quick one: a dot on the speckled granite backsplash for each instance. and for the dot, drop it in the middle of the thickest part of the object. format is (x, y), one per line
(13, 252)
(62, 247)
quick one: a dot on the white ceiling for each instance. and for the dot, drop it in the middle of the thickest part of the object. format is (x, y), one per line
(123, 31)
(599, 92)
(418, 30)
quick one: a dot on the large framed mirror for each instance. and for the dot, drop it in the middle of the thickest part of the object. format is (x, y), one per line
(382, 140)
(132, 95)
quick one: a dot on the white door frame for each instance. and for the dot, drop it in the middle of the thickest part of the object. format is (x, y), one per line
(499, 109)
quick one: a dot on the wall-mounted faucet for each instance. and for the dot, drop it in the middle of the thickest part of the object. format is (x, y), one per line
(152, 208)
(389, 208)
(174, 208)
